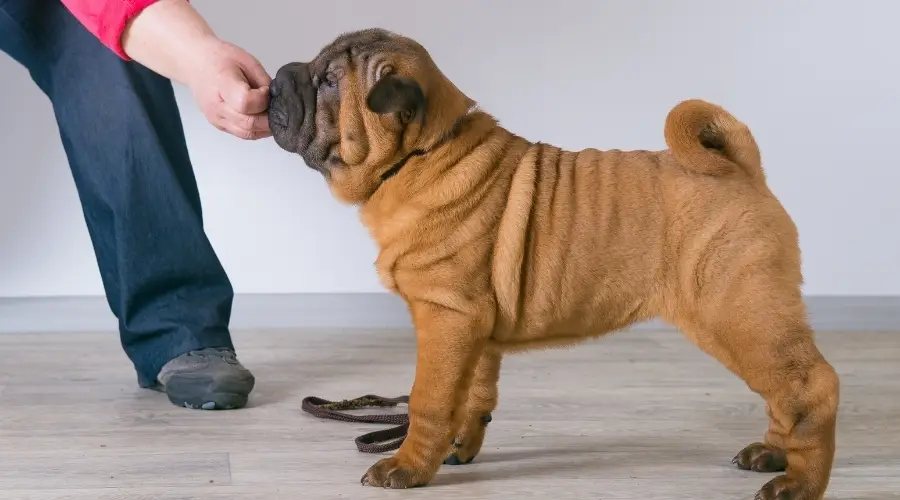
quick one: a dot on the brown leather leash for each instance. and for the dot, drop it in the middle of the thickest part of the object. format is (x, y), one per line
(371, 442)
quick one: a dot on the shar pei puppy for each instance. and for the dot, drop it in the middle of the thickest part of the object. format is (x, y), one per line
(499, 245)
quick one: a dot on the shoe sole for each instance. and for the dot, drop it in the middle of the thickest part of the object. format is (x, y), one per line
(194, 394)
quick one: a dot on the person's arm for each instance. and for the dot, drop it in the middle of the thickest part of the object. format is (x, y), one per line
(172, 39)
(107, 19)
(164, 35)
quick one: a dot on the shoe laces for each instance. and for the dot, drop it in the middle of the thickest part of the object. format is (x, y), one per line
(226, 354)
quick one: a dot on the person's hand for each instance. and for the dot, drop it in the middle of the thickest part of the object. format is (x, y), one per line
(232, 90)
(230, 86)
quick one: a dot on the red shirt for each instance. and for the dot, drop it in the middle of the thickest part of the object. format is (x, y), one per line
(106, 19)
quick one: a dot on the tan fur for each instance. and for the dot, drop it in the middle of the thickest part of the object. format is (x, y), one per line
(500, 245)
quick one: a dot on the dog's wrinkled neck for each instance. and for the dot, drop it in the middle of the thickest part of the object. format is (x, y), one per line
(451, 133)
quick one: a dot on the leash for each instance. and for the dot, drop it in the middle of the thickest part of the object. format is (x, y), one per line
(371, 442)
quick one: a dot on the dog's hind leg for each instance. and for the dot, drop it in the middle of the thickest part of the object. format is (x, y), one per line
(761, 334)
(482, 401)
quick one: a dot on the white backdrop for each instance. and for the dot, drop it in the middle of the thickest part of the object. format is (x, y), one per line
(818, 81)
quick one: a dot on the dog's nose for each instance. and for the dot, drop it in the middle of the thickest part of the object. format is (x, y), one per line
(295, 72)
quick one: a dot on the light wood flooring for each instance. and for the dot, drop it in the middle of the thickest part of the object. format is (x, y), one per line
(633, 416)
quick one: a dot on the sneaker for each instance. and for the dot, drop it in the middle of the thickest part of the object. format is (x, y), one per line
(207, 379)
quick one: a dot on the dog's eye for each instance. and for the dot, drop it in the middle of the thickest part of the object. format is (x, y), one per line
(331, 79)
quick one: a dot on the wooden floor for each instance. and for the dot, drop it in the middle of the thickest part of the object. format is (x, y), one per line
(634, 416)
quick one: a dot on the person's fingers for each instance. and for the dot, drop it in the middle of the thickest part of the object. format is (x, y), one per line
(254, 126)
(257, 101)
(241, 133)
(256, 74)
(257, 122)
(239, 96)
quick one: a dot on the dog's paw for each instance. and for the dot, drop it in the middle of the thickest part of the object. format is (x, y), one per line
(467, 445)
(454, 459)
(464, 452)
(760, 457)
(394, 473)
(782, 488)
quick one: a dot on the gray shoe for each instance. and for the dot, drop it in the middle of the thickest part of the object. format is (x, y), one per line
(207, 379)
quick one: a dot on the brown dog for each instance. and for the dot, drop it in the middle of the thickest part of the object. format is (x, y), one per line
(498, 244)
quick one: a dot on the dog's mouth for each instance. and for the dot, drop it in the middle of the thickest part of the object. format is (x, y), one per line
(292, 109)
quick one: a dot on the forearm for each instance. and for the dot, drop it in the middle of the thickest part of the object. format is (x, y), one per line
(167, 37)
(160, 34)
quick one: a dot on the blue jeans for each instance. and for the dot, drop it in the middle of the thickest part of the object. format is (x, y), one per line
(123, 137)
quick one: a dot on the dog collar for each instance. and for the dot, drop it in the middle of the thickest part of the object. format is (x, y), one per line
(396, 168)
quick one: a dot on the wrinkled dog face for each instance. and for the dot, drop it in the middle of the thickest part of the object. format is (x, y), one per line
(357, 109)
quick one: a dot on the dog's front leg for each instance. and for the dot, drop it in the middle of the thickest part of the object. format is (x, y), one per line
(482, 401)
(450, 342)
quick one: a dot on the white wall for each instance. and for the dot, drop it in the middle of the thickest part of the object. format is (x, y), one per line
(817, 80)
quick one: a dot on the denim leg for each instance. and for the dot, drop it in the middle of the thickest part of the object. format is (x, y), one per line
(122, 133)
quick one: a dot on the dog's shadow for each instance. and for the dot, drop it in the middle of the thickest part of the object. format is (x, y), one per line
(580, 460)
(875, 495)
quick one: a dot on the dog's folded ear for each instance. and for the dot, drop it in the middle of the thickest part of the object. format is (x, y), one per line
(397, 94)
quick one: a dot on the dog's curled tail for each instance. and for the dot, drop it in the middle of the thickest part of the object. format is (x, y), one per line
(707, 139)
